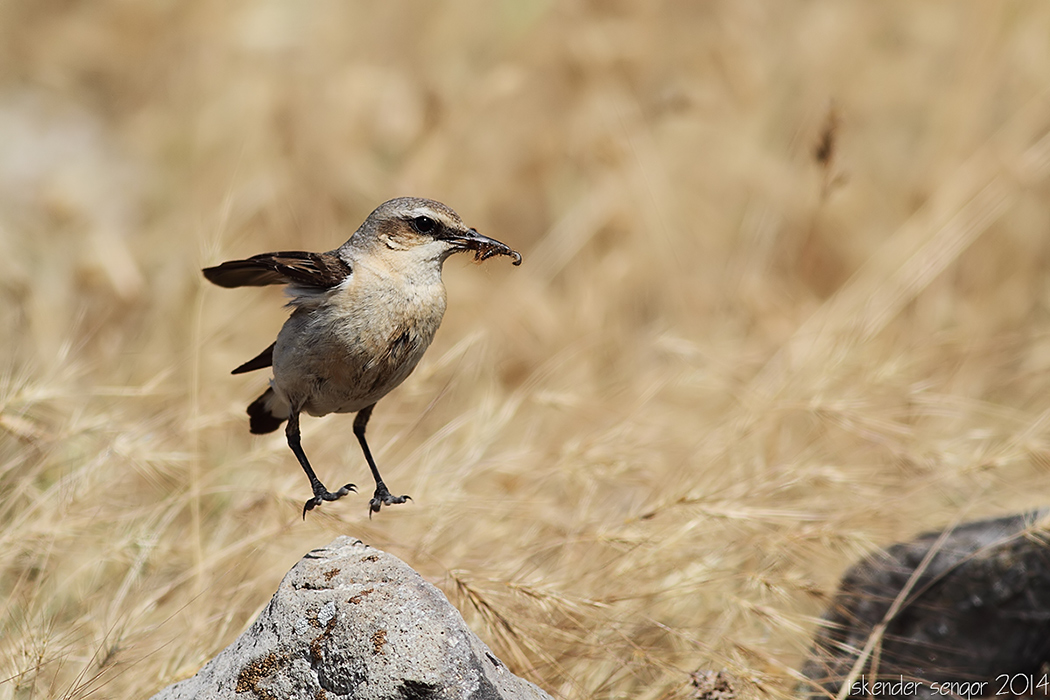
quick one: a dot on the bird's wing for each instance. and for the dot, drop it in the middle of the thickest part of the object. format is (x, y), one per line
(315, 271)
(263, 359)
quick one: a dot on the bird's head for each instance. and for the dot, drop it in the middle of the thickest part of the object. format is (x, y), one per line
(423, 230)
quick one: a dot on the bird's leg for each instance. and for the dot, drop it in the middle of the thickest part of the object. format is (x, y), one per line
(382, 496)
(320, 492)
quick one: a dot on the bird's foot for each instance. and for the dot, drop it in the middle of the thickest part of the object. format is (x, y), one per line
(383, 497)
(322, 494)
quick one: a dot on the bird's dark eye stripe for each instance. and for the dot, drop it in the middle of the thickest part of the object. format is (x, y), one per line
(424, 224)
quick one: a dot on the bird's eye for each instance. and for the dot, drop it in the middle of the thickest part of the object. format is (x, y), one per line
(424, 224)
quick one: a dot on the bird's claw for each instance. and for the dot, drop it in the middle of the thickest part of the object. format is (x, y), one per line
(383, 497)
(322, 494)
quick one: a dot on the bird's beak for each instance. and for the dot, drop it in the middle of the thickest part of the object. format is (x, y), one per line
(483, 246)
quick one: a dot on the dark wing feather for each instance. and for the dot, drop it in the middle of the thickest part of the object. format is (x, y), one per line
(310, 270)
(263, 359)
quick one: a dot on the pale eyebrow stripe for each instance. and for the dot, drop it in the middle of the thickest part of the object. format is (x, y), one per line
(431, 214)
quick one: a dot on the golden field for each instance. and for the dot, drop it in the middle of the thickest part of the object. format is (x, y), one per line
(784, 300)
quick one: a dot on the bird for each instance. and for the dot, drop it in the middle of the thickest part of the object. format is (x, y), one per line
(362, 316)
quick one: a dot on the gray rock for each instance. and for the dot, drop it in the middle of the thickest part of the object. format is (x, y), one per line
(976, 623)
(350, 621)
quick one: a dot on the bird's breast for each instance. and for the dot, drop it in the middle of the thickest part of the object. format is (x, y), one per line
(351, 351)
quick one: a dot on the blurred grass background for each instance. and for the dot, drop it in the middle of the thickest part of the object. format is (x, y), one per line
(784, 300)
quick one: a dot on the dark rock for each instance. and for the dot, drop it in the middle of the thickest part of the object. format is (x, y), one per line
(350, 621)
(712, 685)
(979, 614)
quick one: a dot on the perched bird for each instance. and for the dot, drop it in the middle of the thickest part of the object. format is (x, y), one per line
(363, 316)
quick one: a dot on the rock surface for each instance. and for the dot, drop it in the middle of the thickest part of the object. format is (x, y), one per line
(350, 621)
(979, 615)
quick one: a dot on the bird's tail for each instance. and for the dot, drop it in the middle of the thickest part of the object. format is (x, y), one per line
(267, 412)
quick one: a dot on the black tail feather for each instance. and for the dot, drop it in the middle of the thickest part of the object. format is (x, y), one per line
(261, 420)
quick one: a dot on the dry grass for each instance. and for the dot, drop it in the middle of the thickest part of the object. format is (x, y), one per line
(784, 299)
